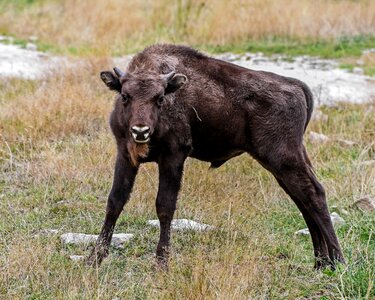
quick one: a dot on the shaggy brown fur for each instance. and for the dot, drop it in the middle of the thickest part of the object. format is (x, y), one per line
(183, 103)
(137, 152)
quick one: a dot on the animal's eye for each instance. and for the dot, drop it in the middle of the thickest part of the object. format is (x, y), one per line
(160, 100)
(125, 97)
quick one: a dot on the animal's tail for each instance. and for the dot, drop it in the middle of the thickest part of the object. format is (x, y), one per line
(309, 102)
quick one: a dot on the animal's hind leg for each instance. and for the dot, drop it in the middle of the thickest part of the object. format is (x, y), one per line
(299, 181)
(303, 185)
(319, 244)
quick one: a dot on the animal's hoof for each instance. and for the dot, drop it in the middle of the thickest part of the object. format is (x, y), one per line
(93, 260)
(161, 263)
(324, 262)
(96, 258)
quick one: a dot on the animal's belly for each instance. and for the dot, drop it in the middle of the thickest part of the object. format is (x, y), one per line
(213, 150)
(218, 138)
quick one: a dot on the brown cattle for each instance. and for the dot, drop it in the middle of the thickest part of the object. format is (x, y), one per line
(174, 102)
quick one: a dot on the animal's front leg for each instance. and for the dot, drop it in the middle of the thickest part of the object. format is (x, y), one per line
(123, 182)
(170, 174)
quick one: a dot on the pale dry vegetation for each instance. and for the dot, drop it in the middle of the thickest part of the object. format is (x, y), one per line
(117, 26)
(56, 160)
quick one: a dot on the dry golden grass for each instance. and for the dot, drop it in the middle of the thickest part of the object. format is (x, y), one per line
(56, 161)
(115, 26)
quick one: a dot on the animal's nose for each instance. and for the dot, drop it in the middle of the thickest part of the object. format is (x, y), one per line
(141, 134)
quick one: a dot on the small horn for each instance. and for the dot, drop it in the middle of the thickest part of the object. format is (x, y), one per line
(118, 72)
(168, 76)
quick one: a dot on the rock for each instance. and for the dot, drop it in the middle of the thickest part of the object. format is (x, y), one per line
(358, 71)
(367, 163)
(81, 238)
(31, 46)
(183, 224)
(76, 257)
(46, 232)
(365, 204)
(344, 212)
(229, 56)
(336, 219)
(367, 51)
(33, 38)
(319, 116)
(318, 138)
(50, 231)
(370, 110)
(360, 62)
(78, 238)
(118, 239)
(62, 202)
(304, 231)
(346, 143)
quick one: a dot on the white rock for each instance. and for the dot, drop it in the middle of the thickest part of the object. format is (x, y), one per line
(318, 138)
(76, 257)
(366, 204)
(328, 82)
(118, 239)
(369, 110)
(33, 38)
(358, 71)
(31, 46)
(78, 238)
(50, 231)
(360, 62)
(81, 238)
(45, 232)
(336, 219)
(368, 51)
(183, 224)
(62, 202)
(319, 116)
(346, 143)
(304, 231)
(367, 163)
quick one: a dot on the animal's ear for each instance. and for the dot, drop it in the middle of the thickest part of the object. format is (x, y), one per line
(175, 82)
(111, 81)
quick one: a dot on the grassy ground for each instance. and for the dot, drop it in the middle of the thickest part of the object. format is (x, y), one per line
(57, 156)
(113, 27)
(329, 29)
(56, 161)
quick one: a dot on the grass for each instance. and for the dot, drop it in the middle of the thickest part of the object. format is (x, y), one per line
(57, 156)
(327, 28)
(56, 161)
(338, 48)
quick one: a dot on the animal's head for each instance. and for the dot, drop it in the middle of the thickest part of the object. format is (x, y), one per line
(142, 94)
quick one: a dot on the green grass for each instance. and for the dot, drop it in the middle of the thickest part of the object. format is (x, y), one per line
(367, 70)
(339, 48)
(336, 48)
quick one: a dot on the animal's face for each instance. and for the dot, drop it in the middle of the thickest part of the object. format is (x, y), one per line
(142, 94)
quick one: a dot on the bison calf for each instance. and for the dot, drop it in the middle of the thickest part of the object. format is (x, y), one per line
(174, 102)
